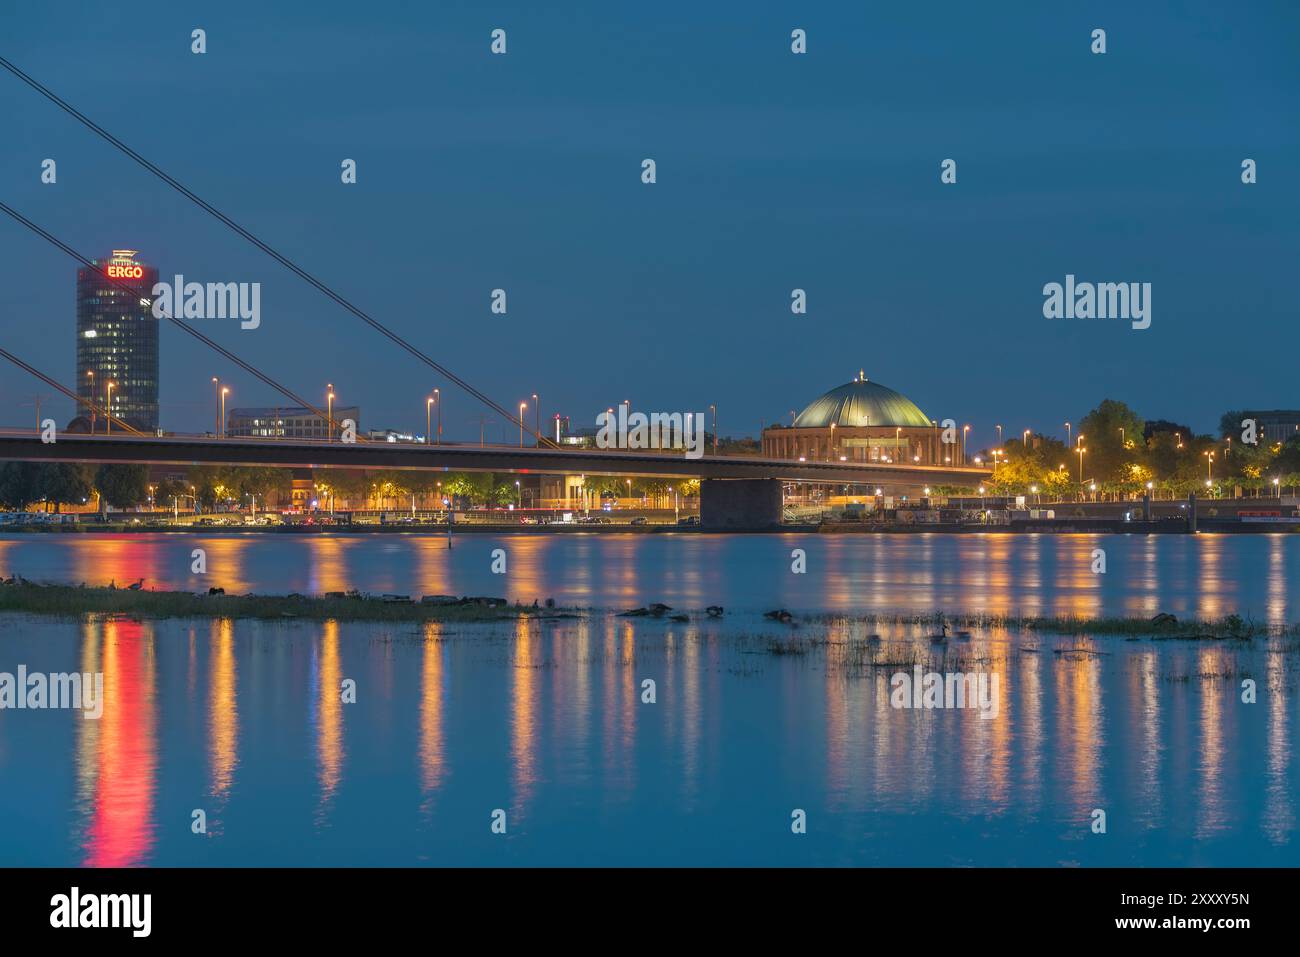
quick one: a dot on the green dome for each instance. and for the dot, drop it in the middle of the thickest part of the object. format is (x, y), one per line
(861, 403)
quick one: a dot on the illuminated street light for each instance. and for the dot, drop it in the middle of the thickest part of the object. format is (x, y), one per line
(224, 392)
(329, 414)
(428, 419)
(522, 407)
(216, 407)
(108, 409)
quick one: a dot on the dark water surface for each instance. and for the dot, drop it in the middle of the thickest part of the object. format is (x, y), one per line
(546, 721)
(1205, 575)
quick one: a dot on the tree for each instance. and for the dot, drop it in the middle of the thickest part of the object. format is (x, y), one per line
(70, 482)
(1230, 423)
(123, 486)
(19, 484)
(1111, 434)
(264, 481)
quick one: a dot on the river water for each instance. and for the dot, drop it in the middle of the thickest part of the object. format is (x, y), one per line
(754, 725)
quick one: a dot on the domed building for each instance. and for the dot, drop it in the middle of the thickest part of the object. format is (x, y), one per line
(860, 421)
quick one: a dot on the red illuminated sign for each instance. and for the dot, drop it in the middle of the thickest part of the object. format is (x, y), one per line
(124, 272)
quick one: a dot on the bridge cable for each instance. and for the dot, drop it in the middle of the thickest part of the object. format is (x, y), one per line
(97, 409)
(283, 260)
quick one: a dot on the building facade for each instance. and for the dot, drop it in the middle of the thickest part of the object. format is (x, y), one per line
(288, 422)
(861, 421)
(117, 341)
(1276, 425)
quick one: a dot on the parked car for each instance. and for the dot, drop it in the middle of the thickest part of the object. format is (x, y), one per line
(639, 520)
(689, 520)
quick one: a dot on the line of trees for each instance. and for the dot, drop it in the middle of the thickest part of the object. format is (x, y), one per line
(52, 485)
(1123, 453)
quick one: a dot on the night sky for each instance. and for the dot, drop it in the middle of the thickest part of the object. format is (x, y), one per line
(775, 171)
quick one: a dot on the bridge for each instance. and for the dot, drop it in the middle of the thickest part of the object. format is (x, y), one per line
(736, 491)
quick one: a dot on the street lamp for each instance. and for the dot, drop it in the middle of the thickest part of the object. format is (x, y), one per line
(999, 428)
(964, 430)
(537, 416)
(108, 410)
(428, 419)
(437, 400)
(1081, 450)
(1024, 438)
(216, 407)
(1209, 466)
(90, 374)
(224, 392)
(329, 413)
(522, 406)
(714, 410)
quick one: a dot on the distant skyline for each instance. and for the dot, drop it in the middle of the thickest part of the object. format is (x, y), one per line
(775, 172)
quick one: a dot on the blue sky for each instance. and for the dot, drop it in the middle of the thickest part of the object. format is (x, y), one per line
(775, 171)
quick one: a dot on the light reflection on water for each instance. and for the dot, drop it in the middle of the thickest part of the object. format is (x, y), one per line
(1202, 575)
(546, 721)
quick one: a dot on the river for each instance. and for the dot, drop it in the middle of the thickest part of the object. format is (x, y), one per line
(546, 728)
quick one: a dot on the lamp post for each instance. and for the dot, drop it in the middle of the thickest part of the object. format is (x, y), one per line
(437, 400)
(428, 419)
(1209, 466)
(1024, 438)
(224, 392)
(216, 407)
(964, 430)
(108, 410)
(537, 417)
(329, 413)
(1068, 440)
(714, 410)
(999, 428)
(1081, 450)
(522, 406)
(90, 374)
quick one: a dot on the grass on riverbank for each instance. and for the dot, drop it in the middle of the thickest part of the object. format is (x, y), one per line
(65, 600)
(1226, 628)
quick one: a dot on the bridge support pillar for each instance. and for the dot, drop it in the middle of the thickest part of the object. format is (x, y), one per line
(740, 504)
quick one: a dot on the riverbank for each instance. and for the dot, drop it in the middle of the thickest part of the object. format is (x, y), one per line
(74, 601)
(68, 600)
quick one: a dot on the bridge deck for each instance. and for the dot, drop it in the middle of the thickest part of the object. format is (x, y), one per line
(18, 445)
